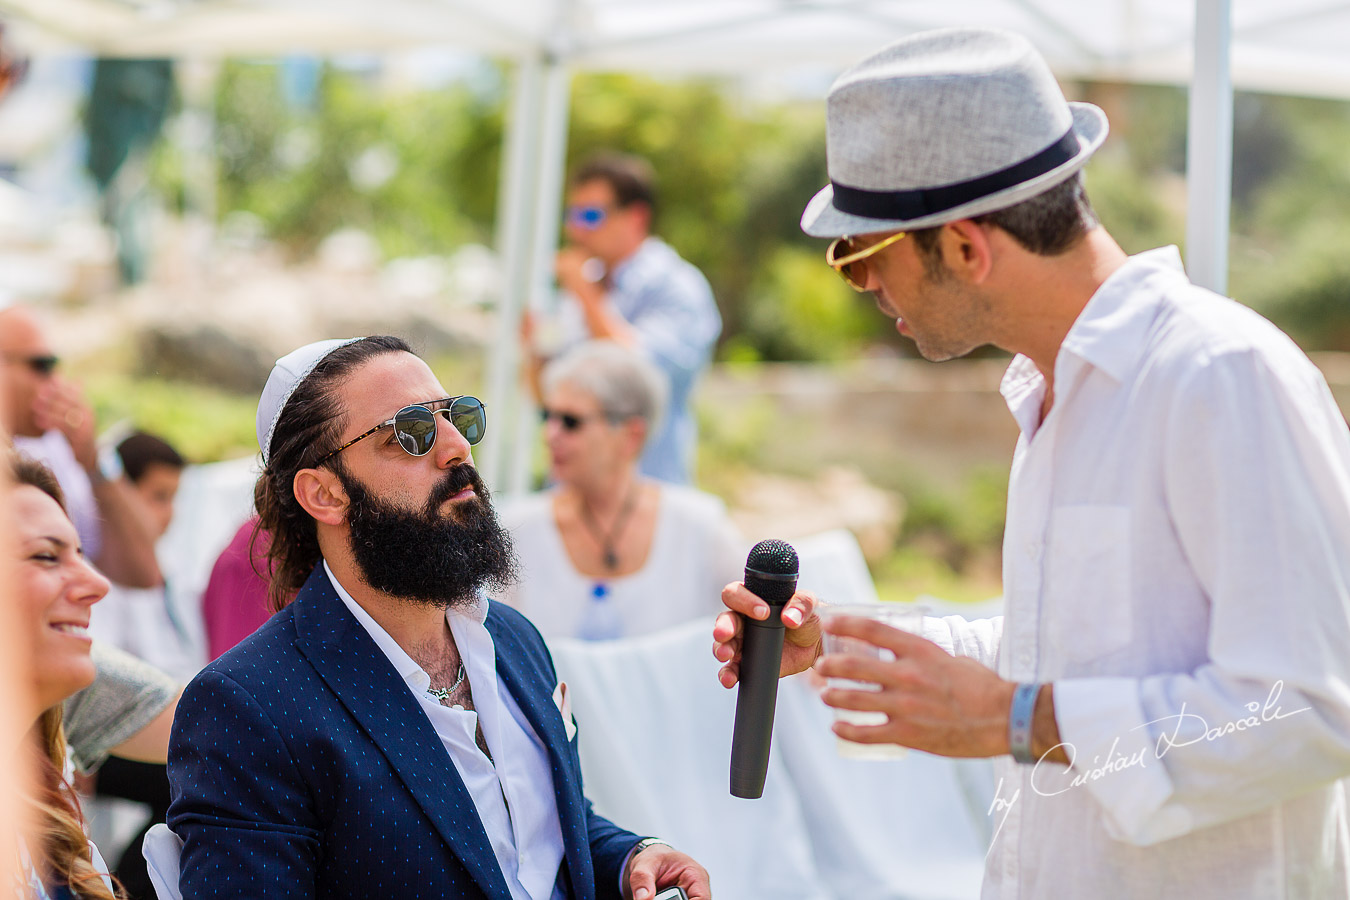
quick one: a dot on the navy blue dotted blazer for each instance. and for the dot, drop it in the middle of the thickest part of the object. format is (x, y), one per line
(301, 766)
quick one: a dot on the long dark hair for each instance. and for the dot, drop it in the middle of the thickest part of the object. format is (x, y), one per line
(308, 428)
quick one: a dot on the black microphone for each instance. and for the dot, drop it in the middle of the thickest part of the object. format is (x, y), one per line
(771, 575)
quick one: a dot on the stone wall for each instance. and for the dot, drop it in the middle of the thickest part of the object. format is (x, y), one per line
(889, 416)
(883, 417)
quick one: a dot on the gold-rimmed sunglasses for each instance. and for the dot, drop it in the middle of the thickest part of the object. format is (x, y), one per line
(849, 266)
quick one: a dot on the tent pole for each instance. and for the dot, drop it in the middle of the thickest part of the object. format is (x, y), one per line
(1209, 147)
(552, 157)
(514, 206)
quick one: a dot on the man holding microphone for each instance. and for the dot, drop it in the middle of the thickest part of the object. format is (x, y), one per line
(1169, 689)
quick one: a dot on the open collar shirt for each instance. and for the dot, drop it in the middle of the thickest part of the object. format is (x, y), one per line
(513, 791)
(1177, 563)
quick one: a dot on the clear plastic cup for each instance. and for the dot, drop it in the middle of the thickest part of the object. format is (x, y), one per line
(905, 617)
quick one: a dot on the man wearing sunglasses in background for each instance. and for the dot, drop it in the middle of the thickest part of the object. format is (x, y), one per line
(391, 732)
(631, 287)
(1169, 689)
(50, 420)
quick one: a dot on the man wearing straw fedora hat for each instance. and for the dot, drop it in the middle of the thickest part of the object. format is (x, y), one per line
(1168, 692)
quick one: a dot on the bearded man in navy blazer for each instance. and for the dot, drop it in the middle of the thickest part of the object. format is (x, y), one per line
(390, 732)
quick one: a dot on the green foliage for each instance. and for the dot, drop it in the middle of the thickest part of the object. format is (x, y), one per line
(1137, 219)
(1289, 258)
(951, 539)
(733, 434)
(801, 310)
(206, 425)
(416, 169)
(1153, 129)
(1291, 200)
(1308, 293)
(420, 171)
(971, 517)
(912, 572)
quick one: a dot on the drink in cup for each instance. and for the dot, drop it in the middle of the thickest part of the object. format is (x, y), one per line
(904, 617)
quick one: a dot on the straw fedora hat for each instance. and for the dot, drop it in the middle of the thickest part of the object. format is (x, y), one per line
(945, 125)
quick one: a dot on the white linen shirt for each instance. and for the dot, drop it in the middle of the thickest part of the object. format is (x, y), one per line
(1177, 562)
(515, 798)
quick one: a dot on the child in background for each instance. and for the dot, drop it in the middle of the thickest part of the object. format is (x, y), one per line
(140, 620)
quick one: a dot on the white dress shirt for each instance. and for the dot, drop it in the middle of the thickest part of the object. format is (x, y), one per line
(514, 798)
(1177, 562)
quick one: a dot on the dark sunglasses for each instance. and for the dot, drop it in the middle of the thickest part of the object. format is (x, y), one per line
(587, 217)
(568, 421)
(415, 426)
(42, 365)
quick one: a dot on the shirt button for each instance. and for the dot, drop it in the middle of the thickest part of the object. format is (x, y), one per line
(1033, 548)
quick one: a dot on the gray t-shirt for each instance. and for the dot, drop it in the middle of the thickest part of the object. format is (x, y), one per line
(127, 695)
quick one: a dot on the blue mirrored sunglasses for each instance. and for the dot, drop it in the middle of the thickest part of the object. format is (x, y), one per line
(588, 217)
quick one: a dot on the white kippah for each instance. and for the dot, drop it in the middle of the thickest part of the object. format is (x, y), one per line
(286, 376)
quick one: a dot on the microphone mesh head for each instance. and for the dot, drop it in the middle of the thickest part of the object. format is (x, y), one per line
(773, 557)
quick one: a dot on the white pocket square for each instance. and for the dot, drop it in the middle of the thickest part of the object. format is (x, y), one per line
(563, 700)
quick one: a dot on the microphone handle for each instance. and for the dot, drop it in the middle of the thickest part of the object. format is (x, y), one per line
(761, 658)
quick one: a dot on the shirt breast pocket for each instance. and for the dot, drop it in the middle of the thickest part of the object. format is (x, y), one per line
(1087, 584)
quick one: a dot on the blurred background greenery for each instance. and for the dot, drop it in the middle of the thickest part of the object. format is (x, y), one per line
(418, 170)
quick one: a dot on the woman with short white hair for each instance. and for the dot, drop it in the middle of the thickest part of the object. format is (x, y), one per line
(608, 553)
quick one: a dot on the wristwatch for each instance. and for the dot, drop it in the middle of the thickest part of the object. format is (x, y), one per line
(644, 844)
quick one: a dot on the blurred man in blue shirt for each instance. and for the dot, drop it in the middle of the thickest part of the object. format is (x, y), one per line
(633, 288)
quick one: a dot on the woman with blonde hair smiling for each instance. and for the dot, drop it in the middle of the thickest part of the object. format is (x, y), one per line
(55, 587)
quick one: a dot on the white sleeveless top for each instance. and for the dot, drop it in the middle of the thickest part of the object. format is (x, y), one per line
(695, 552)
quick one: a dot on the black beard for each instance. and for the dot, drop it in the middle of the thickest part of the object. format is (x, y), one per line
(427, 556)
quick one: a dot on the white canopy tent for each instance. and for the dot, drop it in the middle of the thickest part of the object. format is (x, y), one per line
(1293, 46)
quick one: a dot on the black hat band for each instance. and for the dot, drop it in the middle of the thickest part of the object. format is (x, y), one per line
(921, 202)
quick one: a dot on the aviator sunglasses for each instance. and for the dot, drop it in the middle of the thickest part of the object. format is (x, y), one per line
(415, 426)
(850, 266)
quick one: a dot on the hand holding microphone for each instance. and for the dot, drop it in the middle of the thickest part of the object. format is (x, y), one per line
(755, 647)
(802, 640)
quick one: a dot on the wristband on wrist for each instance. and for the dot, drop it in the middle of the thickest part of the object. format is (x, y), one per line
(1019, 722)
